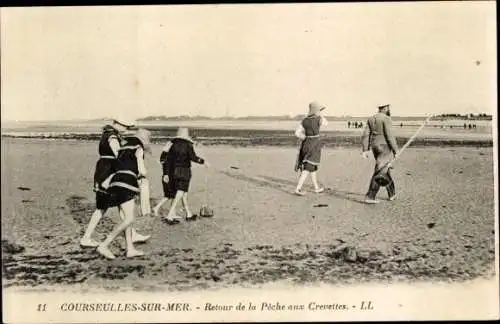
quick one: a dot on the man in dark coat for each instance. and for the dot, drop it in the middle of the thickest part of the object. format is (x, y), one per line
(378, 138)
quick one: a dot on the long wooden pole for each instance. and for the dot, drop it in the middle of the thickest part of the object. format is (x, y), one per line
(410, 140)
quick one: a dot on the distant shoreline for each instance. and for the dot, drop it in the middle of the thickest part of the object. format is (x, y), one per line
(449, 117)
(339, 140)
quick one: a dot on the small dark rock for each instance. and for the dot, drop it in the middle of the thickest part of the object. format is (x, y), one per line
(431, 225)
(24, 188)
(12, 248)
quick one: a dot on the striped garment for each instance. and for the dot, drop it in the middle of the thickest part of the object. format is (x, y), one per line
(127, 170)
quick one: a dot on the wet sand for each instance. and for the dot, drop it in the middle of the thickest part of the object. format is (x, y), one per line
(441, 227)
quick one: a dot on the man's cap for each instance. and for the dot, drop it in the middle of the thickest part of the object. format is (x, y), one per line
(383, 106)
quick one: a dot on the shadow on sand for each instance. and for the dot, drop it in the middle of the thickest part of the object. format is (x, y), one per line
(287, 186)
(342, 194)
(258, 181)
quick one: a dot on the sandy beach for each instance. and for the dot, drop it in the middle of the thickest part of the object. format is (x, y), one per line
(441, 227)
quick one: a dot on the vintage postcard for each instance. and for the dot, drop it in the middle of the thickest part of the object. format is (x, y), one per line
(249, 162)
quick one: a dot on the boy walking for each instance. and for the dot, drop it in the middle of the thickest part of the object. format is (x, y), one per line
(176, 161)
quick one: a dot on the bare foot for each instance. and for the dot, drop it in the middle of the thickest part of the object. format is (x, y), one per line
(105, 252)
(299, 192)
(371, 201)
(175, 217)
(134, 253)
(88, 242)
(138, 238)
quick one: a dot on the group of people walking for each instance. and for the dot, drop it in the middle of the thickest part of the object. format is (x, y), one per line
(377, 138)
(120, 173)
(120, 176)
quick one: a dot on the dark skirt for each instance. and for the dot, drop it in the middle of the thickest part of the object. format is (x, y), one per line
(178, 180)
(103, 169)
(123, 187)
(309, 156)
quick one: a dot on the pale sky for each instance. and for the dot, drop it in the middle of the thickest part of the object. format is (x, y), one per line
(255, 59)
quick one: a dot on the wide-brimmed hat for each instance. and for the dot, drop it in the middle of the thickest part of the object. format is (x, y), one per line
(183, 132)
(315, 108)
(124, 121)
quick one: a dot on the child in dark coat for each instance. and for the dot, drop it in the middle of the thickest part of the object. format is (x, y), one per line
(176, 160)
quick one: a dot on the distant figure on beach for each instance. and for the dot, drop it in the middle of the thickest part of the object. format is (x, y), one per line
(401, 125)
(474, 126)
(377, 136)
(176, 159)
(470, 126)
(360, 124)
(465, 125)
(109, 148)
(309, 156)
(349, 124)
(123, 188)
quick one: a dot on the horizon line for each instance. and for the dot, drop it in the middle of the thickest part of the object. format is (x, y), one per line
(188, 117)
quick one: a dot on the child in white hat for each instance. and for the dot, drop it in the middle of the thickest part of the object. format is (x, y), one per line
(176, 159)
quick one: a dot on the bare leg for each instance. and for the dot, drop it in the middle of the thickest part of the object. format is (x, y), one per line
(156, 209)
(302, 179)
(314, 178)
(189, 215)
(127, 209)
(144, 196)
(131, 250)
(171, 212)
(87, 237)
(170, 202)
(128, 239)
(136, 237)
